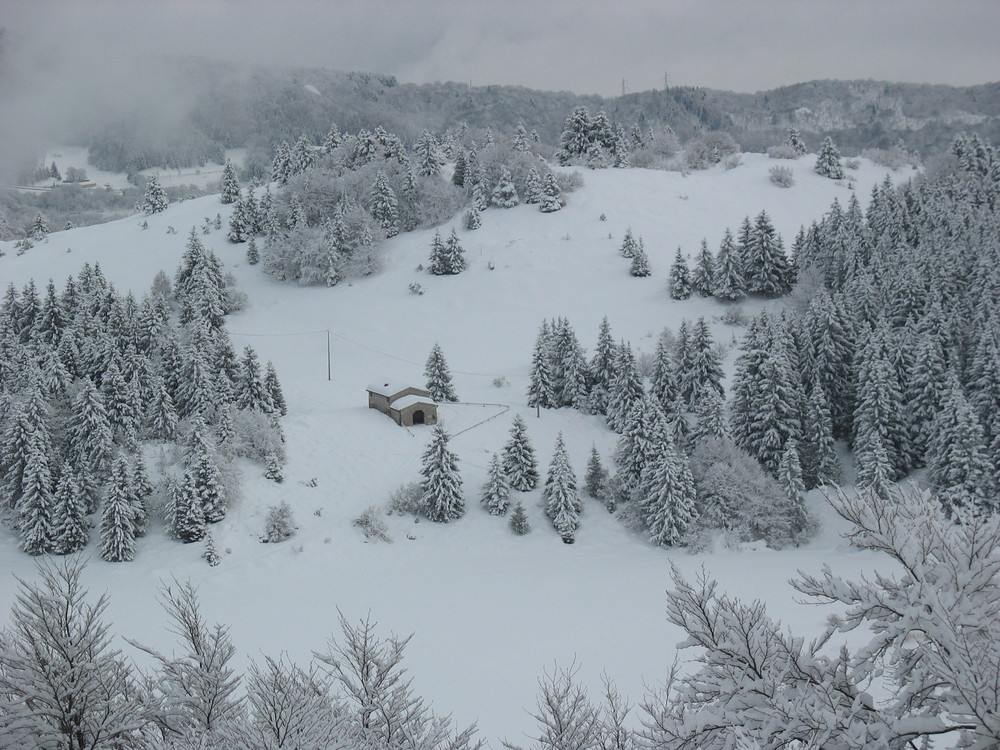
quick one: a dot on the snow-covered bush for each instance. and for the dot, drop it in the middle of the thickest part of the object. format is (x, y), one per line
(372, 524)
(893, 158)
(658, 152)
(257, 436)
(735, 494)
(280, 523)
(405, 500)
(784, 151)
(732, 161)
(709, 149)
(782, 176)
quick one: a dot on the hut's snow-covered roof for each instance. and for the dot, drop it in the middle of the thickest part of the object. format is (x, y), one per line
(390, 389)
(405, 401)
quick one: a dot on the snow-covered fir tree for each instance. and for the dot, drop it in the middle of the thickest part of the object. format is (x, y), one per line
(39, 228)
(790, 473)
(454, 254)
(281, 164)
(203, 466)
(429, 158)
(251, 393)
(519, 462)
(701, 369)
(334, 139)
(957, 455)
(667, 497)
(273, 387)
(602, 367)
(69, 518)
(640, 262)
(625, 390)
(828, 160)
(663, 377)
(629, 244)
(504, 193)
(117, 519)
(712, 421)
(551, 196)
(439, 377)
(384, 206)
(560, 496)
(230, 187)
(441, 484)
(36, 504)
(533, 186)
(542, 385)
(703, 276)
(596, 477)
(820, 464)
(496, 491)
(765, 264)
(154, 199)
(185, 514)
(519, 519)
(680, 277)
(794, 141)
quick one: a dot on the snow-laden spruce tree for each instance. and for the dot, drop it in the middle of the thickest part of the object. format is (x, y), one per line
(596, 478)
(504, 194)
(666, 495)
(703, 276)
(680, 278)
(35, 507)
(384, 206)
(519, 462)
(117, 518)
(62, 682)
(625, 389)
(562, 501)
(828, 160)
(230, 188)
(728, 282)
(932, 654)
(541, 383)
(154, 199)
(429, 159)
(629, 244)
(69, 518)
(551, 197)
(454, 254)
(441, 483)
(794, 141)
(957, 455)
(438, 264)
(519, 519)
(496, 491)
(533, 186)
(439, 377)
(640, 262)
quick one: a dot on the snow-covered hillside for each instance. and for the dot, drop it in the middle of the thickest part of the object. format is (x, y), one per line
(490, 610)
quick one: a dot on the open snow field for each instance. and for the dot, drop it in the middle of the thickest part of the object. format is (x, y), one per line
(490, 611)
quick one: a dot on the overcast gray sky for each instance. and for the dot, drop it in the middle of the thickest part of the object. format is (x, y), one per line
(587, 46)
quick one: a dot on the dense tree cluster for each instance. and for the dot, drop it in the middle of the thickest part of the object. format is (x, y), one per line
(754, 262)
(89, 377)
(897, 352)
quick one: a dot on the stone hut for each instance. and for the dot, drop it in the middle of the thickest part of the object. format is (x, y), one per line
(407, 405)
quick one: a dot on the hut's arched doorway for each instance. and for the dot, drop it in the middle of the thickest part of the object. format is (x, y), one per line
(418, 416)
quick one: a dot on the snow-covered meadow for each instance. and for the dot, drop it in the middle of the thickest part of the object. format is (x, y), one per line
(490, 610)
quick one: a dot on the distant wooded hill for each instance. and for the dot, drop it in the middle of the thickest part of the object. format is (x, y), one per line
(258, 108)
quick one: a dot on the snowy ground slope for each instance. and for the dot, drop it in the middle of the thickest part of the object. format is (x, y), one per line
(490, 610)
